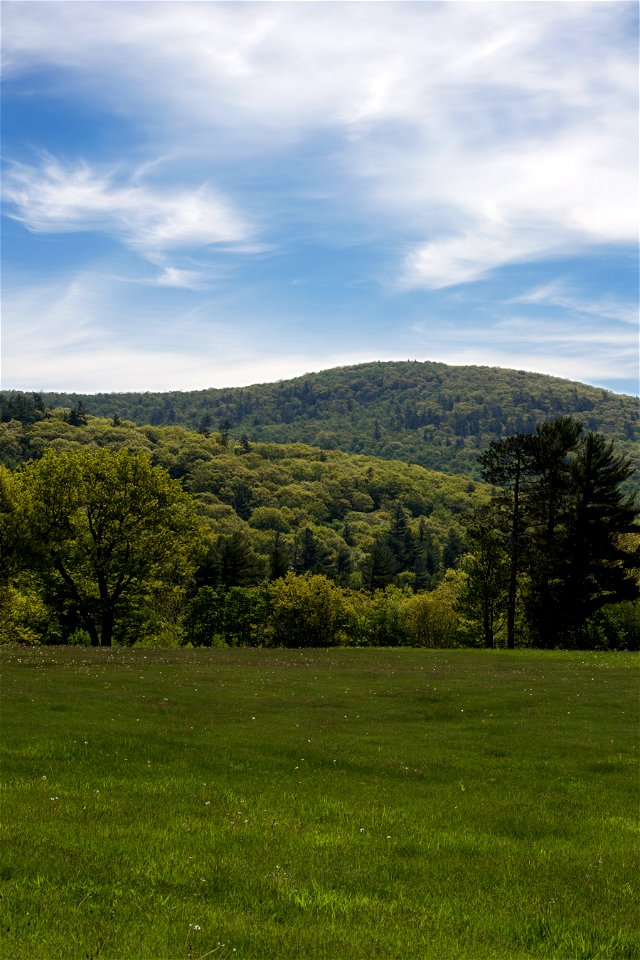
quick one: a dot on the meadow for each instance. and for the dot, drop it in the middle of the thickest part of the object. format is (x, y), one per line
(331, 803)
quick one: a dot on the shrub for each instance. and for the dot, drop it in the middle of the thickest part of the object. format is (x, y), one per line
(306, 611)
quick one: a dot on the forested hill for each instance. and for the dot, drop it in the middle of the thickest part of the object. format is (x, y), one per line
(431, 414)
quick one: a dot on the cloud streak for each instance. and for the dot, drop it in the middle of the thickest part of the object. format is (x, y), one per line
(518, 116)
(314, 161)
(61, 336)
(63, 198)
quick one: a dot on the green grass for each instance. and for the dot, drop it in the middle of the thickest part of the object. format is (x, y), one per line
(340, 804)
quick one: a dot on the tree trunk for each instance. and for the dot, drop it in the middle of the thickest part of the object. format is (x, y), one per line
(106, 626)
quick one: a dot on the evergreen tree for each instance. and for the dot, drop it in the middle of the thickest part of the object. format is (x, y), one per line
(597, 568)
(562, 515)
(379, 566)
(204, 426)
(344, 565)
(484, 599)
(508, 463)
(224, 428)
(278, 557)
(311, 555)
(77, 416)
(549, 507)
(400, 539)
(237, 563)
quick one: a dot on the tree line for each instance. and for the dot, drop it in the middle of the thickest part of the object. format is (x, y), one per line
(100, 546)
(558, 540)
(432, 414)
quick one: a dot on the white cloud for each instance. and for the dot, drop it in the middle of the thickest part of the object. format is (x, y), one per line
(154, 221)
(558, 294)
(462, 137)
(584, 351)
(492, 133)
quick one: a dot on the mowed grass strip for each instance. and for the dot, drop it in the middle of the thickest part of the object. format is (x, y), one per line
(333, 804)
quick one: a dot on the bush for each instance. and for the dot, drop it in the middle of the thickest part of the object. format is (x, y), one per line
(306, 611)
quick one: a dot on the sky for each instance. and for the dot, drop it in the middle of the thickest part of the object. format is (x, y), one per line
(209, 194)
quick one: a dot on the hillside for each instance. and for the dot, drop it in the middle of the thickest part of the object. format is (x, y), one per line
(324, 511)
(440, 417)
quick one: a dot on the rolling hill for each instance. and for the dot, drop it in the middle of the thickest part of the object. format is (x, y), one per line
(438, 416)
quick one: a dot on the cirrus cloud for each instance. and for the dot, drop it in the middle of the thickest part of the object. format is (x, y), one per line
(69, 198)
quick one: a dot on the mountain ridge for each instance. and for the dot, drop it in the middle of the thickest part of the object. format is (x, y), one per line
(425, 412)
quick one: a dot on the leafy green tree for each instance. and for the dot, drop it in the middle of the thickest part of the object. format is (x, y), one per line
(305, 611)
(217, 616)
(484, 597)
(12, 529)
(13, 553)
(202, 621)
(107, 529)
(432, 618)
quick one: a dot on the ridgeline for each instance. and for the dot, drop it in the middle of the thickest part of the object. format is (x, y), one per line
(438, 416)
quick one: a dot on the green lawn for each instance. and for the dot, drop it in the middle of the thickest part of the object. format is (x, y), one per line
(339, 804)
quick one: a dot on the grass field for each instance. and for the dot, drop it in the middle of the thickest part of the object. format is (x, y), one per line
(339, 804)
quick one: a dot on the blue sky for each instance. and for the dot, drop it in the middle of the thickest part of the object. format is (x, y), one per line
(213, 194)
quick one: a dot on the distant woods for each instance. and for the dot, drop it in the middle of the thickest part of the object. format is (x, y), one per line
(438, 416)
(111, 532)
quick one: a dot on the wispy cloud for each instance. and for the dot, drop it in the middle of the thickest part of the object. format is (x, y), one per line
(589, 351)
(443, 141)
(61, 336)
(154, 221)
(498, 133)
(558, 294)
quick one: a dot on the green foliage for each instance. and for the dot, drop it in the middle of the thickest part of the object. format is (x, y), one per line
(560, 534)
(431, 414)
(108, 531)
(392, 529)
(330, 508)
(305, 611)
(12, 528)
(21, 407)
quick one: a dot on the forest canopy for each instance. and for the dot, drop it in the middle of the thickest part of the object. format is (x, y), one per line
(112, 532)
(441, 417)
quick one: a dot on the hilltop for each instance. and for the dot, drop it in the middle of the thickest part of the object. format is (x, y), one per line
(438, 416)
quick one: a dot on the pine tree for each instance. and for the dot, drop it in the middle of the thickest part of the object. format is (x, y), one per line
(278, 557)
(553, 446)
(508, 463)
(597, 568)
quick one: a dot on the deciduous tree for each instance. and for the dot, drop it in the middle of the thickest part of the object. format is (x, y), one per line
(107, 529)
